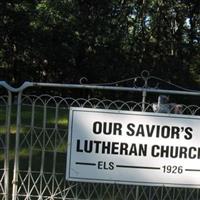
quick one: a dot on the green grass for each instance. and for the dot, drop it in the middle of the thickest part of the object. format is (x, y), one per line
(22, 153)
(37, 117)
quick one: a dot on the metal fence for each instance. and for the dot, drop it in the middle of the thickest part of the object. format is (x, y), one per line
(34, 133)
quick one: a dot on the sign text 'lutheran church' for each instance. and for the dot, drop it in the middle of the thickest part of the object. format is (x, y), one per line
(129, 147)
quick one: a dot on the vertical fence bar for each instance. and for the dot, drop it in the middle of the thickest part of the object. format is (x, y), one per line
(145, 77)
(7, 142)
(43, 152)
(31, 147)
(144, 94)
(54, 149)
(17, 138)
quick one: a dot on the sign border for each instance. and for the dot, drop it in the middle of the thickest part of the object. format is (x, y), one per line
(95, 180)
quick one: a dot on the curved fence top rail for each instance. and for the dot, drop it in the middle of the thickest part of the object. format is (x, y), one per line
(113, 86)
(26, 85)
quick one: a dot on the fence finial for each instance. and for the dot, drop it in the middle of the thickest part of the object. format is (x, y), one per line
(83, 80)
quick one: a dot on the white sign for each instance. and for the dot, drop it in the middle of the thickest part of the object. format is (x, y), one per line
(133, 148)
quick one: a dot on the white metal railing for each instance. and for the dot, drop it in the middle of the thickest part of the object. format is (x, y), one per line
(37, 152)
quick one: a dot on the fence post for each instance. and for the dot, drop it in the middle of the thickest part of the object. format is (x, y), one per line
(145, 77)
(144, 94)
(16, 161)
(7, 142)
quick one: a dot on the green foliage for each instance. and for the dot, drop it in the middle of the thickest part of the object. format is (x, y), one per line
(195, 68)
(62, 41)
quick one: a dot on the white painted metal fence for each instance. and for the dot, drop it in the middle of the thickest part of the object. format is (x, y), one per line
(34, 133)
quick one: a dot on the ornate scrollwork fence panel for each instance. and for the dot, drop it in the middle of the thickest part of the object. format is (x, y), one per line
(41, 134)
(43, 146)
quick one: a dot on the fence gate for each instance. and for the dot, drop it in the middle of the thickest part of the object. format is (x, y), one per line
(34, 137)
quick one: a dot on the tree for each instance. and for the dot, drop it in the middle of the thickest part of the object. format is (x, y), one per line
(62, 41)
